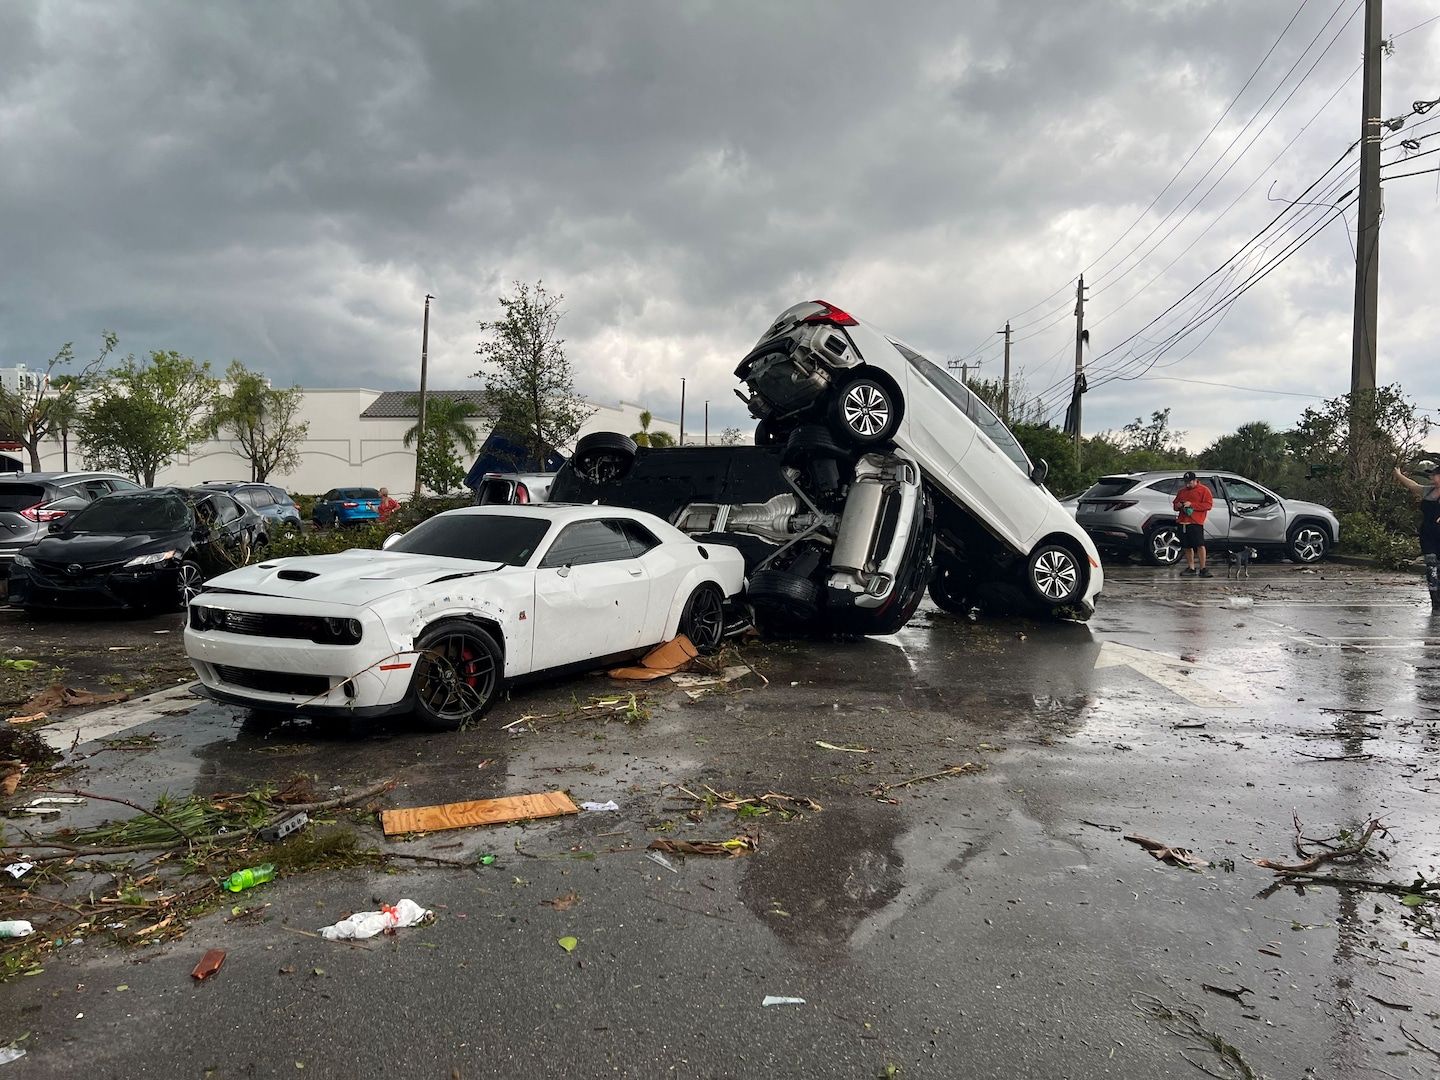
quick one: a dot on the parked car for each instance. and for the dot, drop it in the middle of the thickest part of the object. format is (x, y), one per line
(29, 502)
(448, 613)
(818, 371)
(347, 506)
(511, 488)
(272, 503)
(145, 549)
(1134, 513)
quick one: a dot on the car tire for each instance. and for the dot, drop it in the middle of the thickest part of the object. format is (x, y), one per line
(808, 442)
(1055, 575)
(1162, 546)
(188, 579)
(766, 434)
(703, 620)
(951, 587)
(458, 675)
(865, 411)
(1307, 543)
(603, 457)
(784, 596)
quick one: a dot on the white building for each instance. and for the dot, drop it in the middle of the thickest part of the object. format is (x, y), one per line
(356, 437)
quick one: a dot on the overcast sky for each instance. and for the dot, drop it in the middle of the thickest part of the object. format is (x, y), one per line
(283, 183)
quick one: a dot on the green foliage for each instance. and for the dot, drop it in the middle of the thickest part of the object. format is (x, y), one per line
(446, 424)
(731, 436)
(1154, 438)
(262, 420)
(1362, 534)
(1354, 474)
(369, 535)
(1256, 451)
(29, 414)
(144, 414)
(528, 382)
(1101, 455)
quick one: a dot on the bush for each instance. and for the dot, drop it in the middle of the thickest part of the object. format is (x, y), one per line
(1362, 534)
(372, 535)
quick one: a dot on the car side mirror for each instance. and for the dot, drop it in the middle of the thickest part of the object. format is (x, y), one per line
(564, 571)
(1039, 471)
(390, 541)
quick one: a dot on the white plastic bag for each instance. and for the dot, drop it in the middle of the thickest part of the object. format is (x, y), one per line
(366, 924)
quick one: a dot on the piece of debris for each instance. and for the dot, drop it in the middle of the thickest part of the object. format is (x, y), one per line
(463, 815)
(29, 718)
(598, 807)
(281, 829)
(15, 928)
(209, 964)
(18, 869)
(776, 800)
(10, 774)
(953, 770)
(1183, 726)
(1320, 858)
(10, 1053)
(1186, 1023)
(562, 903)
(660, 860)
(251, 876)
(771, 999)
(675, 655)
(736, 845)
(366, 924)
(843, 749)
(697, 686)
(1400, 1005)
(1238, 993)
(19, 665)
(66, 697)
(1177, 856)
(568, 943)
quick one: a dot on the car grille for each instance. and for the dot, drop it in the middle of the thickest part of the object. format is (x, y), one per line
(76, 572)
(276, 682)
(263, 624)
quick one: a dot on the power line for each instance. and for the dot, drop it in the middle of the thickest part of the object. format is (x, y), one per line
(1228, 386)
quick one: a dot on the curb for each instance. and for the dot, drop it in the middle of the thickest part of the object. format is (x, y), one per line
(1371, 564)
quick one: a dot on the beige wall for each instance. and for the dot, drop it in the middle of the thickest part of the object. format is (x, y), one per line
(342, 449)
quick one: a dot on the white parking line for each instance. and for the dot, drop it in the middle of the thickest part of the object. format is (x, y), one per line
(113, 719)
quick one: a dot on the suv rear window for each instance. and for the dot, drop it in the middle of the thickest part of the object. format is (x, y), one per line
(17, 497)
(1108, 487)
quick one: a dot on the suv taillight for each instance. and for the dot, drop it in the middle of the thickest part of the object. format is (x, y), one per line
(1111, 505)
(40, 515)
(831, 315)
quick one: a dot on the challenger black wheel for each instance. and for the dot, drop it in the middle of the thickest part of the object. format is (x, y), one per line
(457, 677)
(703, 620)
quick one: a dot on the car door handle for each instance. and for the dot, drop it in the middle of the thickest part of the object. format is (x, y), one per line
(636, 573)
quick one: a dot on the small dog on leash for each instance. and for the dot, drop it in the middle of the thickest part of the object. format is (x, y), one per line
(1240, 561)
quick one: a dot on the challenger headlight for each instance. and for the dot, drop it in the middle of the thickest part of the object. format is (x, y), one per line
(153, 558)
(21, 559)
(344, 631)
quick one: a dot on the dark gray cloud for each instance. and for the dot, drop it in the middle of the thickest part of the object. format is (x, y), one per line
(283, 183)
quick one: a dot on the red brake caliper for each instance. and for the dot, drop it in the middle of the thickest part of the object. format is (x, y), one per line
(467, 666)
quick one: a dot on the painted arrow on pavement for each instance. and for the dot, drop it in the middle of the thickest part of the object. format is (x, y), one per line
(1163, 669)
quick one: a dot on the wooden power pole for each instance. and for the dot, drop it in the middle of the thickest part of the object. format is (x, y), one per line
(1367, 230)
(424, 366)
(1005, 386)
(1077, 394)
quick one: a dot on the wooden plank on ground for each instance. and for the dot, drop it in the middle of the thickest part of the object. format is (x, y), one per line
(462, 815)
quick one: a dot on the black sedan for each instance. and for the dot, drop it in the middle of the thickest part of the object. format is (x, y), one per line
(142, 550)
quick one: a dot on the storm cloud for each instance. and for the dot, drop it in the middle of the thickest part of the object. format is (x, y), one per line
(283, 183)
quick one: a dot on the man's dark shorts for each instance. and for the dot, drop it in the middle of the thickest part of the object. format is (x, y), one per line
(1192, 536)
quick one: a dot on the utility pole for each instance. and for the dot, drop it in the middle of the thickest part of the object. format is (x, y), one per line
(424, 371)
(682, 412)
(1079, 360)
(1005, 388)
(1367, 230)
(964, 369)
(707, 423)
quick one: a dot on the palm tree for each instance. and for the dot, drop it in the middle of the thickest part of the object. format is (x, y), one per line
(446, 420)
(646, 437)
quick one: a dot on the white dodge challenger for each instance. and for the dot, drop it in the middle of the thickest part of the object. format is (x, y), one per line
(449, 612)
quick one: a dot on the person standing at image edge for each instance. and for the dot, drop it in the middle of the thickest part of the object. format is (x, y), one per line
(388, 505)
(1429, 528)
(1192, 502)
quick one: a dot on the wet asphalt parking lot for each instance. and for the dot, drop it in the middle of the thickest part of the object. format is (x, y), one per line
(992, 922)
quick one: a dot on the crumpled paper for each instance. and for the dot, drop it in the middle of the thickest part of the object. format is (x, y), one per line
(366, 924)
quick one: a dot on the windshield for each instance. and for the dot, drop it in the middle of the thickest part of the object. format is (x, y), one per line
(1107, 487)
(482, 537)
(965, 400)
(133, 515)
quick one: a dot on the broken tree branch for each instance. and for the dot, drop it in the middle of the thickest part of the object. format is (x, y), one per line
(123, 802)
(1323, 857)
(953, 770)
(343, 800)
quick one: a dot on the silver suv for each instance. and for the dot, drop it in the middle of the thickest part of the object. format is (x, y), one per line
(30, 501)
(1134, 513)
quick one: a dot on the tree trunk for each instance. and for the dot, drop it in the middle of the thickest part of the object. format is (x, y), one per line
(34, 448)
(150, 476)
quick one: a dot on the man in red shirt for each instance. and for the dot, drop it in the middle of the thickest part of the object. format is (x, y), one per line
(1192, 502)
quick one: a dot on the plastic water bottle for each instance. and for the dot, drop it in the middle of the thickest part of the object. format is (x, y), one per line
(241, 880)
(15, 928)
